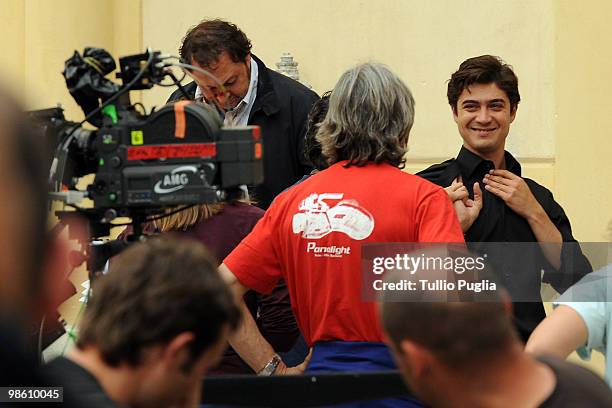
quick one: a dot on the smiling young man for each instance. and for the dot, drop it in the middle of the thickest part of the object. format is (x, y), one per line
(494, 203)
(254, 95)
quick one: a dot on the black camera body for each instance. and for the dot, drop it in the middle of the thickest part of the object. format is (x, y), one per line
(143, 163)
(179, 155)
(145, 166)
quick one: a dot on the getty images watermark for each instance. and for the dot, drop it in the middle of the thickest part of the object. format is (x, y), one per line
(419, 262)
(422, 272)
(481, 271)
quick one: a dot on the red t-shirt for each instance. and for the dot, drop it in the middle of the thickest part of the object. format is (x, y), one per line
(312, 235)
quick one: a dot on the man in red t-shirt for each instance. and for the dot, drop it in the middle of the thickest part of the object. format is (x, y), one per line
(312, 233)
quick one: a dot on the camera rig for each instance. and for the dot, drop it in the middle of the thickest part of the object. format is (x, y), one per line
(143, 164)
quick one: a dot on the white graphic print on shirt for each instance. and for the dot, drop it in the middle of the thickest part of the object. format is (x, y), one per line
(317, 218)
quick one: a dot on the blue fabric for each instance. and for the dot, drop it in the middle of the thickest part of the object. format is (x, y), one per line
(355, 356)
(297, 354)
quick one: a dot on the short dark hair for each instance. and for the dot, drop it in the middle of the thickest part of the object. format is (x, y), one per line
(459, 333)
(154, 291)
(205, 42)
(312, 147)
(484, 69)
(466, 329)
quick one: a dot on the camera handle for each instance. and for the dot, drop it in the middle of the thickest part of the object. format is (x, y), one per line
(94, 253)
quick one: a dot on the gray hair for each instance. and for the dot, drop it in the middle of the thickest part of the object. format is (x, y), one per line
(371, 112)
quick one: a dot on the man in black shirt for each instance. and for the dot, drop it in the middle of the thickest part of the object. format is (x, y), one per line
(494, 203)
(155, 324)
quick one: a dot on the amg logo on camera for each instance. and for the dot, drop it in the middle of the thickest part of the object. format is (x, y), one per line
(175, 180)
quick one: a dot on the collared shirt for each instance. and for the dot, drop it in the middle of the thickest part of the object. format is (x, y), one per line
(239, 115)
(499, 223)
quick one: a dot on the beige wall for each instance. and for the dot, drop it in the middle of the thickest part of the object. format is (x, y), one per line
(412, 37)
(12, 58)
(583, 116)
(41, 34)
(417, 42)
(561, 126)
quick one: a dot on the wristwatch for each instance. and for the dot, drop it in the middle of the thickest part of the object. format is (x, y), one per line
(271, 366)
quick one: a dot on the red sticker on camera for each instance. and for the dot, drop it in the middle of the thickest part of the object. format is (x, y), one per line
(172, 151)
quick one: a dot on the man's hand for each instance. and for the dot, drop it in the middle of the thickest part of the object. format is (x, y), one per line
(457, 191)
(517, 195)
(467, 209)
(563, 331)
(514, 191)
(296, 370)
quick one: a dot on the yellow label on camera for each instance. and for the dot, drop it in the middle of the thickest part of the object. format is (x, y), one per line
(137, 137)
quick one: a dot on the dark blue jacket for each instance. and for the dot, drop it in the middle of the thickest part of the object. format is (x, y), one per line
(281, 110)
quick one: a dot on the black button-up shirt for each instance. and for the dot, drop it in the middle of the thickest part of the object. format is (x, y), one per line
(518, 267)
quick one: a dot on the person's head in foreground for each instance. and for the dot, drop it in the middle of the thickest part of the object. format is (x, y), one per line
(155, 323)
(32, 264)
(371, 112)
(483, 95)
(467, 353)
(23, 215)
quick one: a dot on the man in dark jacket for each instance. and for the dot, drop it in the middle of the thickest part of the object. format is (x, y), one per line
(250, 94)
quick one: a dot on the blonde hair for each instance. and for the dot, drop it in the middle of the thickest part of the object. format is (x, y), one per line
(188, 217)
